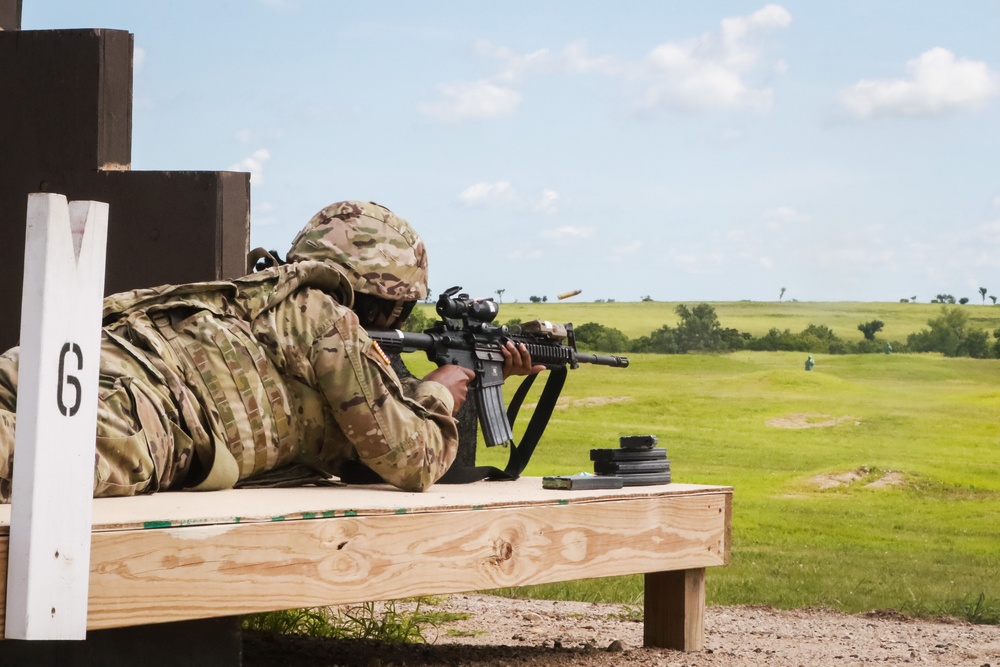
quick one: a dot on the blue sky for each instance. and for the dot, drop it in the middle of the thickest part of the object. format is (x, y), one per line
(688, 151)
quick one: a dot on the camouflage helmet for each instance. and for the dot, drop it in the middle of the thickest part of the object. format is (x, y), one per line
(381, 252)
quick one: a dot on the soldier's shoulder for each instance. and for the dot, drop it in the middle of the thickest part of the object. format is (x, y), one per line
(267, 289)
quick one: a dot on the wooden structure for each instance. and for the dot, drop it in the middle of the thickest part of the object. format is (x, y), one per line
(181, 556)
(66, 127)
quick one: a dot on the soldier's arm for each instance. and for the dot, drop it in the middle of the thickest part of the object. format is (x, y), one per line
(407, 436)
(409, 439)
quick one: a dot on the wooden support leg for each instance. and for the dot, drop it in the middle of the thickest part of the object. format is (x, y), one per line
(675, 610)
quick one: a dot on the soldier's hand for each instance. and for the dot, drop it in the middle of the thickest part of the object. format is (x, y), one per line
(517, 360)
(456, 379)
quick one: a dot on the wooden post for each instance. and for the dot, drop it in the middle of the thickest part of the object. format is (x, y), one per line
(675, 610)
(49, 555)
(10, 14)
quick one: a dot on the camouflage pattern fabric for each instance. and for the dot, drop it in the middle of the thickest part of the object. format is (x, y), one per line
(381, 253)
(207, 384)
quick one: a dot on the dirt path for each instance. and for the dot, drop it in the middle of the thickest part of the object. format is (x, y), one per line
(501, 631)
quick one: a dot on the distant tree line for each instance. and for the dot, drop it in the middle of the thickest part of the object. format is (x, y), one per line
(950, 298)
(699, 330)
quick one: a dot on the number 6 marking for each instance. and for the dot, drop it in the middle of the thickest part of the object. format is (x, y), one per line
(69, 379)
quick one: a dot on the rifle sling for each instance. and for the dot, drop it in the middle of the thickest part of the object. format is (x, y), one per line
(519, 454)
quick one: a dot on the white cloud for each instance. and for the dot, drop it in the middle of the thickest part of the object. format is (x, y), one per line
(996, 201)
(478, 100)
(243, 136)
(736, 31)
(936, 83)
(513, 65)
(766, 262)
(573, 59)
(547, 202)
(502, 195)
(717, 70)
(486, 193)
(255, 165)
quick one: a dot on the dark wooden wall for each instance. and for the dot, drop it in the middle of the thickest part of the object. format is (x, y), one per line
(66, 127)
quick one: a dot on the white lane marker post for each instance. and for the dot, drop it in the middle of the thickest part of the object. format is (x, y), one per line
(48, 571)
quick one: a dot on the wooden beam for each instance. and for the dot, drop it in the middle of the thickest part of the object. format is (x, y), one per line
(162, 572)
(10, 14)
(163, 227)
(67, 100)
(675, 610)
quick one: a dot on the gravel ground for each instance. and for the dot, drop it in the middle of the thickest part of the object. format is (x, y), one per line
(502, 631)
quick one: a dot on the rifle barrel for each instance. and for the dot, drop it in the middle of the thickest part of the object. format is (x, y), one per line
(602, 359)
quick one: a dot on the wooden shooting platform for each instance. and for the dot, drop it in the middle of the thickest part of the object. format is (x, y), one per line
(181, 555)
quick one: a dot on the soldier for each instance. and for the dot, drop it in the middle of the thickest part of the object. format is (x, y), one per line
(206, 385)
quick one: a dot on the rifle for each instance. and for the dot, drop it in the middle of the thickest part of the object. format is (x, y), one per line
(466, 335)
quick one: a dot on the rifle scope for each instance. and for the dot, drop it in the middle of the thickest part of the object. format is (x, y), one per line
(463, 307)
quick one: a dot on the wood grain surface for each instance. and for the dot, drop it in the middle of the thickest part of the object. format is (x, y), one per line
(443, 544)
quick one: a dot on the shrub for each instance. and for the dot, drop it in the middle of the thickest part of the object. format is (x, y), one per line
(593, 336)
(734, 339)
(661, 341)
(779, 341)
(951, 335)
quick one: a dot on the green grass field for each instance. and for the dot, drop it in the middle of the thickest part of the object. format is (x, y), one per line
(928, 546)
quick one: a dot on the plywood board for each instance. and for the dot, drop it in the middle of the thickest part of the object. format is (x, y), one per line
(255, 505)
(442, 545)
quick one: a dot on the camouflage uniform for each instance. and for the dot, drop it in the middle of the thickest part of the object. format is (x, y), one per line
(207, 384)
